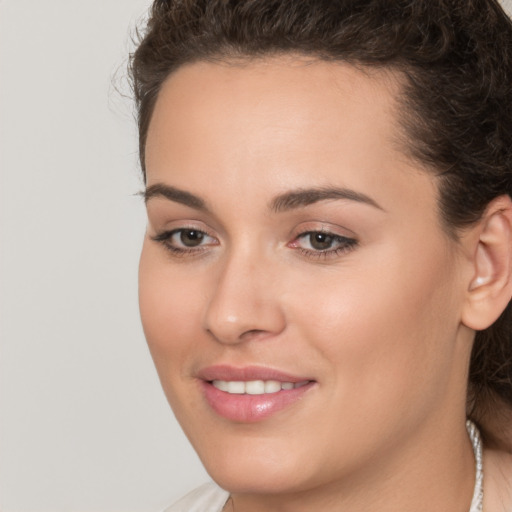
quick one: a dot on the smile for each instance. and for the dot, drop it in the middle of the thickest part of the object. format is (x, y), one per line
(255, 387)
(251, 394)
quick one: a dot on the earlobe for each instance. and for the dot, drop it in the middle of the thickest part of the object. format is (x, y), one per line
(490, 288)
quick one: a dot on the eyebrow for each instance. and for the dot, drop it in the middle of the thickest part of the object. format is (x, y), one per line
(304, 197)
(282, 203)
(174, 194)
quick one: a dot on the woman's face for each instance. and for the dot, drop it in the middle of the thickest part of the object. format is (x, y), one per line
(300, 298)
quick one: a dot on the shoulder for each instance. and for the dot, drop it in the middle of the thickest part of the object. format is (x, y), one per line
(206, 498)
(497, 481)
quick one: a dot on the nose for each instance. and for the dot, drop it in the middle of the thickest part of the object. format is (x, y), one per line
(244, 304)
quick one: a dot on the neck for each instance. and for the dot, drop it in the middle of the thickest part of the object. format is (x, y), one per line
(435, 470)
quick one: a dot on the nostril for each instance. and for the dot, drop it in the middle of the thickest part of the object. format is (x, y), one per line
(252, 332)
(244, 336)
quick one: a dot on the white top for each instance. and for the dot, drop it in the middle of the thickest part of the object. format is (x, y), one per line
(207, 498)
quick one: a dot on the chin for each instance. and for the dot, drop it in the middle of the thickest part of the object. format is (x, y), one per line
(257, 467)
(258, 479)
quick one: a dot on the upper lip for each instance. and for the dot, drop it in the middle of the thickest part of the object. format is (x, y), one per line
(247, 373)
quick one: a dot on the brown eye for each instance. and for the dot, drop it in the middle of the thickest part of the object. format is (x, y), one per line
(321, 241)
(183, 242)
(191, 237)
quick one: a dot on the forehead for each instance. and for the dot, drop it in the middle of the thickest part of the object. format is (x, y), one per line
(281, 99)
(280, 122)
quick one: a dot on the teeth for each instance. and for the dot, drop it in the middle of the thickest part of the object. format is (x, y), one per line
(237, 388)
(221, 384)
(255, 387)
(272, 386)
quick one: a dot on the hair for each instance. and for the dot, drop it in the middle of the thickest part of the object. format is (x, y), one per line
(455, 61)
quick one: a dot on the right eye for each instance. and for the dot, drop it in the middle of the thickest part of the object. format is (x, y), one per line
(184, 241)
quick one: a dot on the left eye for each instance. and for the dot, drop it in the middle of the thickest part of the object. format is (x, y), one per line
(184, 240)
(188, 237)
(320, 241)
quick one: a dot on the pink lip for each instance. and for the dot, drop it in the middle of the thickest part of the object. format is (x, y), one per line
(249, 408)
(225, 372)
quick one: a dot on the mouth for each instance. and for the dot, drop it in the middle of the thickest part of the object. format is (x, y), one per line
(251, 394)
(255, 387)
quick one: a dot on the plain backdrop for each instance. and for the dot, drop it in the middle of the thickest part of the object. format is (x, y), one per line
(84, 426)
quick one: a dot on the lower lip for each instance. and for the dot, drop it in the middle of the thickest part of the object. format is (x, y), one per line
(251, 408)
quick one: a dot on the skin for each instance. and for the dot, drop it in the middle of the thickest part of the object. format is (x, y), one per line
(384, 327)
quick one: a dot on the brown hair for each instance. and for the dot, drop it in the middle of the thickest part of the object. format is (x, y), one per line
(456, 58)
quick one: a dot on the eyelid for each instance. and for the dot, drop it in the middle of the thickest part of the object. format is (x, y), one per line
(168, 234)
(339, 238)
(341, 243)
(161, 228)
(322, 227)
(164, 238)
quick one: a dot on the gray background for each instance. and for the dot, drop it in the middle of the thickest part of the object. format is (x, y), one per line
(84, 425)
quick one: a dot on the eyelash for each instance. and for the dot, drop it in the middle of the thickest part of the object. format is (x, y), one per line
(165, 238)
(345, 244)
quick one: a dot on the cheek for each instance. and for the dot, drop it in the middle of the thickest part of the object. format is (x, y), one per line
(169, 310)
(388, 331)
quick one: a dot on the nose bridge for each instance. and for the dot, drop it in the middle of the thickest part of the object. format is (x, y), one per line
(243, 301)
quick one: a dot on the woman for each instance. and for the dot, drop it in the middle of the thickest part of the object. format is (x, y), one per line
(326, 276)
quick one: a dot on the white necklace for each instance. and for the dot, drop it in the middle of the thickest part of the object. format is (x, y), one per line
(477, 503)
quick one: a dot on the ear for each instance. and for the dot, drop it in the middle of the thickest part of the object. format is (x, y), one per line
(490, 288)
